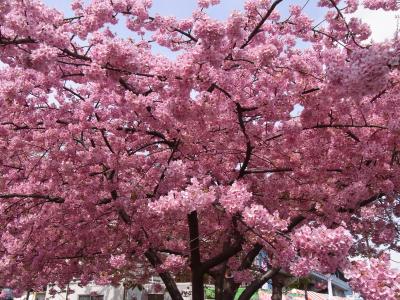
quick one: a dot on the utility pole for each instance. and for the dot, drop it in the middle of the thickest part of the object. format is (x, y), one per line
(330, 294)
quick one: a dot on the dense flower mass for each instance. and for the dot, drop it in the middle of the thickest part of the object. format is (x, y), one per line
(116, 162)
(375, 279)
(321, 249)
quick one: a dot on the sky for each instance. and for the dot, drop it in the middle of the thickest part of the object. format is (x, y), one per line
(183, 9)
(383, 24)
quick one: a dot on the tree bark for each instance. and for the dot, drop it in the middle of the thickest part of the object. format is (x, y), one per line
(257, 284)
(229, 290)
(166, 277)
(225, 288)
(197, 285)
(246, 263)
(306, 290)
(230, 287)
(195, 262)
(219, 285)
(223, 285)
(277, 286)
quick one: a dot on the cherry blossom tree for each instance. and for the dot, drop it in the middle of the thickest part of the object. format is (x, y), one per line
(119, 163)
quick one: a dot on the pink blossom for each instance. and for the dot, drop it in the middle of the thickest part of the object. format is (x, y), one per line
(374, 278)
(117, 163)
(117, 261)
(207, 3)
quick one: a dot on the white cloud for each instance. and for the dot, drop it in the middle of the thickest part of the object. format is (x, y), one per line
(383, 23)
(395, 259)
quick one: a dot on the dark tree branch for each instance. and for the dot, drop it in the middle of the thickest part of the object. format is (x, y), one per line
(173, 252)
(106, 141)
(257, 29)
(249, 151)
(216, 86)
(104, 201)
(295, 221)
(174, 147)
(194, 243)
(126, 86)
(310, 91)
(73, 92)
(320, 126)
(263, 171)
(362, 203)
(110, 174)
(273, 137)
(257, 284)
(247, 262)
(229, 249)
(166, 277)
(377, 96)
(132, 152)
(16, 41)
(195, 259)
(223, 256)
(250, 256)
(191, 37)
(73, 63)
(249, 146)
(187, 34)
(33, 196)
(353, 136)
(76, 54)
(345, 23)
(124, 216)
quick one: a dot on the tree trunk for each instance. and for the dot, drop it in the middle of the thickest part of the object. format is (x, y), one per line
(219, 286)
(229, 290)
(225, 288)
(197, 285)
(124, 294)
(195, 261)
(256, 284)
(246, 263)
(277, 286)
(166, 277)
(306, 290)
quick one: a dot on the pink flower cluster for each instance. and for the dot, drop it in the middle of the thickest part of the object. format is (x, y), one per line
(321, 249)
(259, 218)
(196, 196)
(374, 278)
(366, 73)
(106, 147)
(118, 261)
(235, 197)
(384, 4)
(207, 3)
(173, 263)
